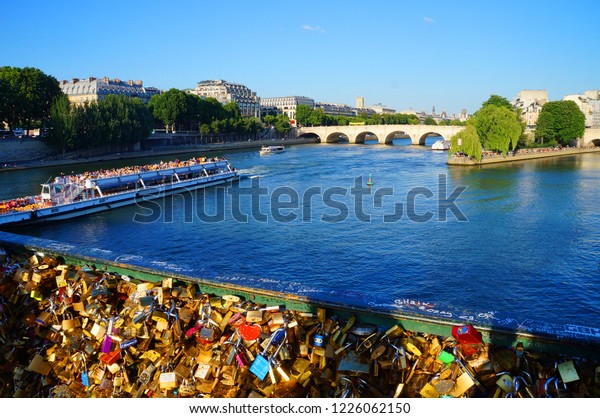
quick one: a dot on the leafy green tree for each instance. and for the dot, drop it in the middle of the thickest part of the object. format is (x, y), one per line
(26, 96)
(252, 125)
(466, 141)
(204, 129)
(269, 119)
(429, 121)
(169, 107)
(496, 100)
(497, 127)
(62, 118)
(209, 110)
(317, 117)
(560, 121)
(282, 124)
(303, 113)
(116, 121)
(232, 110)
(342, 121)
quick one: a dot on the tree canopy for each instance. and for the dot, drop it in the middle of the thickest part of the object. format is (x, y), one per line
(26, 96)
(113, 121)
(496, 100)
(178, 110)
(560, 121)
(498, 128)
(466, 141)
(306, 116)
(170, 107)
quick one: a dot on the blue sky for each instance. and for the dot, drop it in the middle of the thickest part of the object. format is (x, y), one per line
(450, 55)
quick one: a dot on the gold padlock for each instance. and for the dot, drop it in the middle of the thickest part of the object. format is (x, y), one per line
(69, 322)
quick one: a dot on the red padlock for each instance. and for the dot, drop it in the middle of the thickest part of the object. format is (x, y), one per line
(110, 358)
(468, 338)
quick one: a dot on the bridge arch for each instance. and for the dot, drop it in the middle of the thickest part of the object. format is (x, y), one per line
(389, 138)
(365, 135)
(336, 137)
(424, 136)
(595, 142)
(309, 135)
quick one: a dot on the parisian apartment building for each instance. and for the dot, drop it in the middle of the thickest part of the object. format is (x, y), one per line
(89, 90)
(226, 92)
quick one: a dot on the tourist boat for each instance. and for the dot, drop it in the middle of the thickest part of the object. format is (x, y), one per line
(77, 195)
(272, 149)
(441, 145)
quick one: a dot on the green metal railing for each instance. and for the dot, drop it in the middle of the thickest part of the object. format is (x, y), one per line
(101, 259)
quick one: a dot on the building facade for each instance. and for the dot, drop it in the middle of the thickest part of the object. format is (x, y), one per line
(90, 90)
(227, 92)
(286, 105)
(381, 109)
(589, 103)
(337, 109)
(530, 102)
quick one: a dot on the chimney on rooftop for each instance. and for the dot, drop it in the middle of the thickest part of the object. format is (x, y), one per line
(74, 80)
(139, 83)
(105, 79)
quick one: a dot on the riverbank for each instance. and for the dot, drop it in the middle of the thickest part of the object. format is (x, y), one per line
(153, 152)
(520, 155)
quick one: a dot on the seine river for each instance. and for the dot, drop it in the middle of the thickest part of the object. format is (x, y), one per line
(517, 244)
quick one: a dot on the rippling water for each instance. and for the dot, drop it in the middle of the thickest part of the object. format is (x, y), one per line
(527, 251)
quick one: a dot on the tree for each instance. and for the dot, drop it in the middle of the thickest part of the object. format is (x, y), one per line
(303, 114)
(26, 96)
(560, 121)
(497, 127)
(496, 100)
(282, 124)
(466, 141)
(232, 110)
(169, 107)
(115, 120)
(317, 117)
(62, 119)
(430, 121)
(269, 119)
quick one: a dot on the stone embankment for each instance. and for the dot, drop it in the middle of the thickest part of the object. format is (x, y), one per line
(15, 156)
(520, 155)
(20, 150)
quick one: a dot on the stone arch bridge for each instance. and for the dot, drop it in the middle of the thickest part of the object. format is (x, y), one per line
(591, 137)
(384, 134)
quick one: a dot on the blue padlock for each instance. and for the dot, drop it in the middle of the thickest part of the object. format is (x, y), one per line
(318, 340)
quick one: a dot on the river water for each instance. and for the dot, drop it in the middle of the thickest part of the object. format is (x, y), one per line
(519, 245)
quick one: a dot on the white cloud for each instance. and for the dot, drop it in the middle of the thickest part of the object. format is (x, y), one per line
(313, 28)
(428, 20)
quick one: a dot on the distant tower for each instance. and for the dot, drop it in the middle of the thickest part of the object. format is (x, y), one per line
(433, 111)
(360, 102)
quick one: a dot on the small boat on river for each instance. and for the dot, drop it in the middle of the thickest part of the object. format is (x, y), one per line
(441, 145)
(70, 196)
(272, 149)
